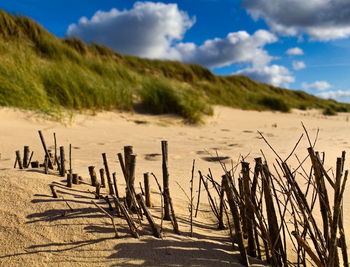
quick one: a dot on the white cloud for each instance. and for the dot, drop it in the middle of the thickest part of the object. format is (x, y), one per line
(298, 65)
(237, 47)
(317, 85)
(320, 19)
(148, 29)
(274, 74)
(295, 51)
(155, 30)
(339, 95)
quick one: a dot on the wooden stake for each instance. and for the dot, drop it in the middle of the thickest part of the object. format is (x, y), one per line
(191, 200)
(70, 159)
(46, 165)
(102, 176)
(98, 189)
(221, 225)
(128, 150)
(277, 248)
(248, 210)
(75, 178)
(199, 197)
(115, 184)
(53, 191)
(108, 174)
(69, 179)
(15, 165)
(131, 180)
(30, 159)
(147, 189)
(63, 162)
(211, 201)
(155, 229)
(19, 159)
(173, 216)
(56, 156)
(307, 248)
(25, 157)
(237, 224)
(45, 149)
(122, 166)
(142, 192)
(92, 175)
(165, 180)
(129, 220)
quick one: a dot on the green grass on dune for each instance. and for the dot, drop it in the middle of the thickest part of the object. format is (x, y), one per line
(42, 72)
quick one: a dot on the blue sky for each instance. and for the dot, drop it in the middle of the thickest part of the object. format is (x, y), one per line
(249, 37)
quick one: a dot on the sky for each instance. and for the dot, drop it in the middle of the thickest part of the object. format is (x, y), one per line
(297, 44)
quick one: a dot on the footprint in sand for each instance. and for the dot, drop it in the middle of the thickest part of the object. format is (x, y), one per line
(223, 159)
(153, 156)
(140, 122)
(202, 152)
(220, 148)
(233, 145)
(248, 131)
(225, 130)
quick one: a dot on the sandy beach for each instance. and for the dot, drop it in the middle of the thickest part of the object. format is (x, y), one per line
(33, 231)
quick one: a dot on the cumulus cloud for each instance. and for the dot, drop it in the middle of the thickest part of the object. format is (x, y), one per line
(317, 85)
(295, 51)
(320, 19)
(298, 65)
(275, 74)
(339, 95)
(148, 29)
(156, 30)
(237, 47)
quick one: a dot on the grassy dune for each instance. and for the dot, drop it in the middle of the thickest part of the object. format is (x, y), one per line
(42, 72)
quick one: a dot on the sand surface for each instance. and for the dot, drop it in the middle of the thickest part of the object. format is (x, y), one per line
(33, 231)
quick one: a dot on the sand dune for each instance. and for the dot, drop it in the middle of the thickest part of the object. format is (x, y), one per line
(33, 231)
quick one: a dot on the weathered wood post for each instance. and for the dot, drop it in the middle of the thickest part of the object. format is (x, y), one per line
(46, 165)
(278, 253)
(164, 145)
(147, 190)
(70, 159)
(115, 184)
(102, 176)
(63, 162)
(128, 150)
(19, 159)
(128, 218)
(25, 156)
(249, 213)
(56, 156)
(69, 179)
(75, 178)
(53, 191)
(155, 229)
(92, 175)
(131, 181)
(98, 189)
(45, 149)
(235, 215)
(108, 174)
(30, 159)
(221, 225)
